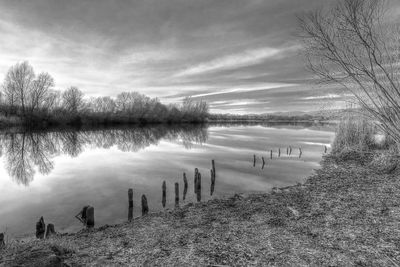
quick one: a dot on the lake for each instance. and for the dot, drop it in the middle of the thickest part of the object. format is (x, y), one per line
(55, 173)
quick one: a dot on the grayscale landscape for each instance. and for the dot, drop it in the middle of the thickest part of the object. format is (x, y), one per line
(200, 133)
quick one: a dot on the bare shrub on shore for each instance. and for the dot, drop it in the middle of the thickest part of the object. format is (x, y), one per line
(355, 45)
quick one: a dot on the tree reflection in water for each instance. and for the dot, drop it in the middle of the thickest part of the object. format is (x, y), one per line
(27, 152)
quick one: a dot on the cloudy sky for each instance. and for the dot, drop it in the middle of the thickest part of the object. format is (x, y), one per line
(242, 56)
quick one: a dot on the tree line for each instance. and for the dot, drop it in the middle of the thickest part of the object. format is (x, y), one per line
(32, 99)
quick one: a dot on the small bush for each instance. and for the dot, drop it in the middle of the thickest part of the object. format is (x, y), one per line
(354, 133)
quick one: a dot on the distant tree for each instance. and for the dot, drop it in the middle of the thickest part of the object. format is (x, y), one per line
(23, 89)
(194, 110)
(17, 84)
(53, 100)
(40, 90)
(34, 98)
(72, 100)
(10, 96)
(352, 45)
(122, 102)
(103, 104)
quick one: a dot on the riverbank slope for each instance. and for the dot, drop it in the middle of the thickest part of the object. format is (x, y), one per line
(347, 214)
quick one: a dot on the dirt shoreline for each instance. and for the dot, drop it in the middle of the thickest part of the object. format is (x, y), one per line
(347, 214)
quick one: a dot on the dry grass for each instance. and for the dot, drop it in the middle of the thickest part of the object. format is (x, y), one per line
(354, 133)
(346, 215)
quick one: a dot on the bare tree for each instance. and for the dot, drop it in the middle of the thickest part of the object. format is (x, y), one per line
(194, 109)
(10, 96)
(53, 100)
(122, 102)
(73, 100)
(39, 91)
(105, 105)
(18, 83)
(353, 45)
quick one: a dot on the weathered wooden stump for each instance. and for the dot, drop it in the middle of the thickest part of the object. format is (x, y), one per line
(40, 228)
(290, 150)
(176, 194)
(263, 161)
(198, 187)
(145, 207)
(50, 230)
(185, 186)
(196, 172)
(287, 151)
(90, 217)
(326, 149)
(271, 154)
(300, 152)
(2, 241)
(279, 152)
(213, 167)
(83, 214)
(212, 182)
(164, 194)
(254, 160)
(130, 203)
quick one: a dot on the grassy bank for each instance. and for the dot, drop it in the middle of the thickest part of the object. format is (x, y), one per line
(347, 214)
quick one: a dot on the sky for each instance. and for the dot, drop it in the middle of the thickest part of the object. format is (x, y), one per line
(241, 56)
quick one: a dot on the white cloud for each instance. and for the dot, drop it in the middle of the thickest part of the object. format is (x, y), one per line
(328, 96)
(247, 102)
(243, 59)
(247, 88)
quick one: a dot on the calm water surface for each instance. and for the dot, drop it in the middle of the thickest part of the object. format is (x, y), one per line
(54, 174)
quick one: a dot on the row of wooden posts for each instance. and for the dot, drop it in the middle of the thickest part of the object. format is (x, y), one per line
(197, 191)
(86, 215)
(289, 150)
(42, 231)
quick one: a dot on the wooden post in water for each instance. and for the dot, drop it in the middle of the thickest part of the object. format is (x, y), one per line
(145, 207)
(185, 184)
(2, 241)
(263, 160)
(290, 150)
(300, 152)
(130, 204)
(50, 230)
(196, 172)
(40, 228)
(164, 194)
(90, 217)
(279, 152)
(254, 160)
(212, 182)
(213, 167)
(198, 187)
(176, 195)
(271, 154)
(287, 151)
(326, 149)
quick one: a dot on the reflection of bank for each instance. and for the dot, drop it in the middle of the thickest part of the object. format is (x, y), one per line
(26, 151)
